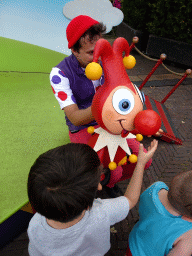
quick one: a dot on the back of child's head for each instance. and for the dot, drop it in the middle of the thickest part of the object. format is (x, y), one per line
(63, 181)
(180, 193)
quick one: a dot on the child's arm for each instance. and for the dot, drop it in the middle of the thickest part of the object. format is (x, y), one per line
(134, 188)
(183, 247)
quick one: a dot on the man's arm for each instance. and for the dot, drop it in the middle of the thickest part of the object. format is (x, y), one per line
(134, 188)
(78, 116)
(60, 85)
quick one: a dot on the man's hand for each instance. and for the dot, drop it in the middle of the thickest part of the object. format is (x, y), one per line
(158, 134)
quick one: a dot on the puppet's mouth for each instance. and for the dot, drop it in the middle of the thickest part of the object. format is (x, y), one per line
(124, 132)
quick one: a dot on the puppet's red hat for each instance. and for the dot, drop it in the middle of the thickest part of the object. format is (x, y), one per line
(114, 71)
(116, 75)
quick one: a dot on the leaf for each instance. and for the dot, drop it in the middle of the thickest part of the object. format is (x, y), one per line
(113, 230)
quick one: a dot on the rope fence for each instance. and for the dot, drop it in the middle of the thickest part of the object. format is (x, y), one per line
(149, 58)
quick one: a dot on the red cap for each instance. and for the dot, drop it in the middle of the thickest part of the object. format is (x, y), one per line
(77, 27)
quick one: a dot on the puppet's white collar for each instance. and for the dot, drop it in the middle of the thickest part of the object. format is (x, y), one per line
(112, 142)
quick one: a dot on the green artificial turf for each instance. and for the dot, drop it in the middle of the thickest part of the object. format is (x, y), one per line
(25, 57)
(31, 123)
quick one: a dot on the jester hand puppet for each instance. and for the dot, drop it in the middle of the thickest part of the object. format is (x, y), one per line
(117, 106)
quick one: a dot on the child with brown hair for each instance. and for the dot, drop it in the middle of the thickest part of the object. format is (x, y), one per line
(165, 224)
(62, 187)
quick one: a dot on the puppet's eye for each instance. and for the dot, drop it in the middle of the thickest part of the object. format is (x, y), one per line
(123, 101)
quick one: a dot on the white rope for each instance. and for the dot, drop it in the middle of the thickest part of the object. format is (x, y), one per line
(178, 74)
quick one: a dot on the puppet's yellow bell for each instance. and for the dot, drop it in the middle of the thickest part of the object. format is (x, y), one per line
(112, 166)
(129, 62)
(139, 137)
(123, 161)
(90, 129)
(93, 71)
(132, 158)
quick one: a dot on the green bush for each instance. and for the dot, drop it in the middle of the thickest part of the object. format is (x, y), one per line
(166, 18)
(135, 13)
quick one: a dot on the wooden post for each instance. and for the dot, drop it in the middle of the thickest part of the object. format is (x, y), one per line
(135, 41)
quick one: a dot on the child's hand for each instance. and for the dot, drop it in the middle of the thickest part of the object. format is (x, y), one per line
(143, 157)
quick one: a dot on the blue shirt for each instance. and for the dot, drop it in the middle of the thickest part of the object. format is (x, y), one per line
(157, 229)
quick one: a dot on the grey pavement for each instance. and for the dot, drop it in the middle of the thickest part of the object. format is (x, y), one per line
(168, 160)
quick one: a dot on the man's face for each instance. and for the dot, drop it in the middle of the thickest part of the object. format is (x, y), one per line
(85, 54)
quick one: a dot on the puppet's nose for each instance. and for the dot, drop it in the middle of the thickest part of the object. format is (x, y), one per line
(147, 122)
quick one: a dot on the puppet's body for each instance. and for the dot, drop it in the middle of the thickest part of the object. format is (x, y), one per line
(109, 150)
(118, 109)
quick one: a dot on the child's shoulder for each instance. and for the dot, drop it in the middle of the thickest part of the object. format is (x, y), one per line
(112, 210)
(112, 205)
(110, 201)
(35, 220)
(35, 224)
(159, 185)
(155, 188)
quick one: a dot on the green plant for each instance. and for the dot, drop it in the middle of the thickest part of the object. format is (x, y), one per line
(171, 19)
(165, 18)
(135, 13)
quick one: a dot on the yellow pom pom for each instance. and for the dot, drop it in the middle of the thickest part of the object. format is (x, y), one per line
(129, 62)
(123, 161)
(112, 166)
(132, 158)
(90, 129)
(139, 137)
(93, 71)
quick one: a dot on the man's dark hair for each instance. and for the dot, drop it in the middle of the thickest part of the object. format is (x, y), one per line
(180, 193)
(63, 181)
(93, 31)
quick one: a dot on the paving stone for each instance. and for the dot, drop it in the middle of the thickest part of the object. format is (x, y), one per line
(167, 151)
(122, 245)
(153, 175)
(169, 174)
(126, 234)
(125, 226)
(152, 178)
(119, 233)
(163, 157)
(118, 253)
(135, 78)
(159, 163)
(156, 168)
